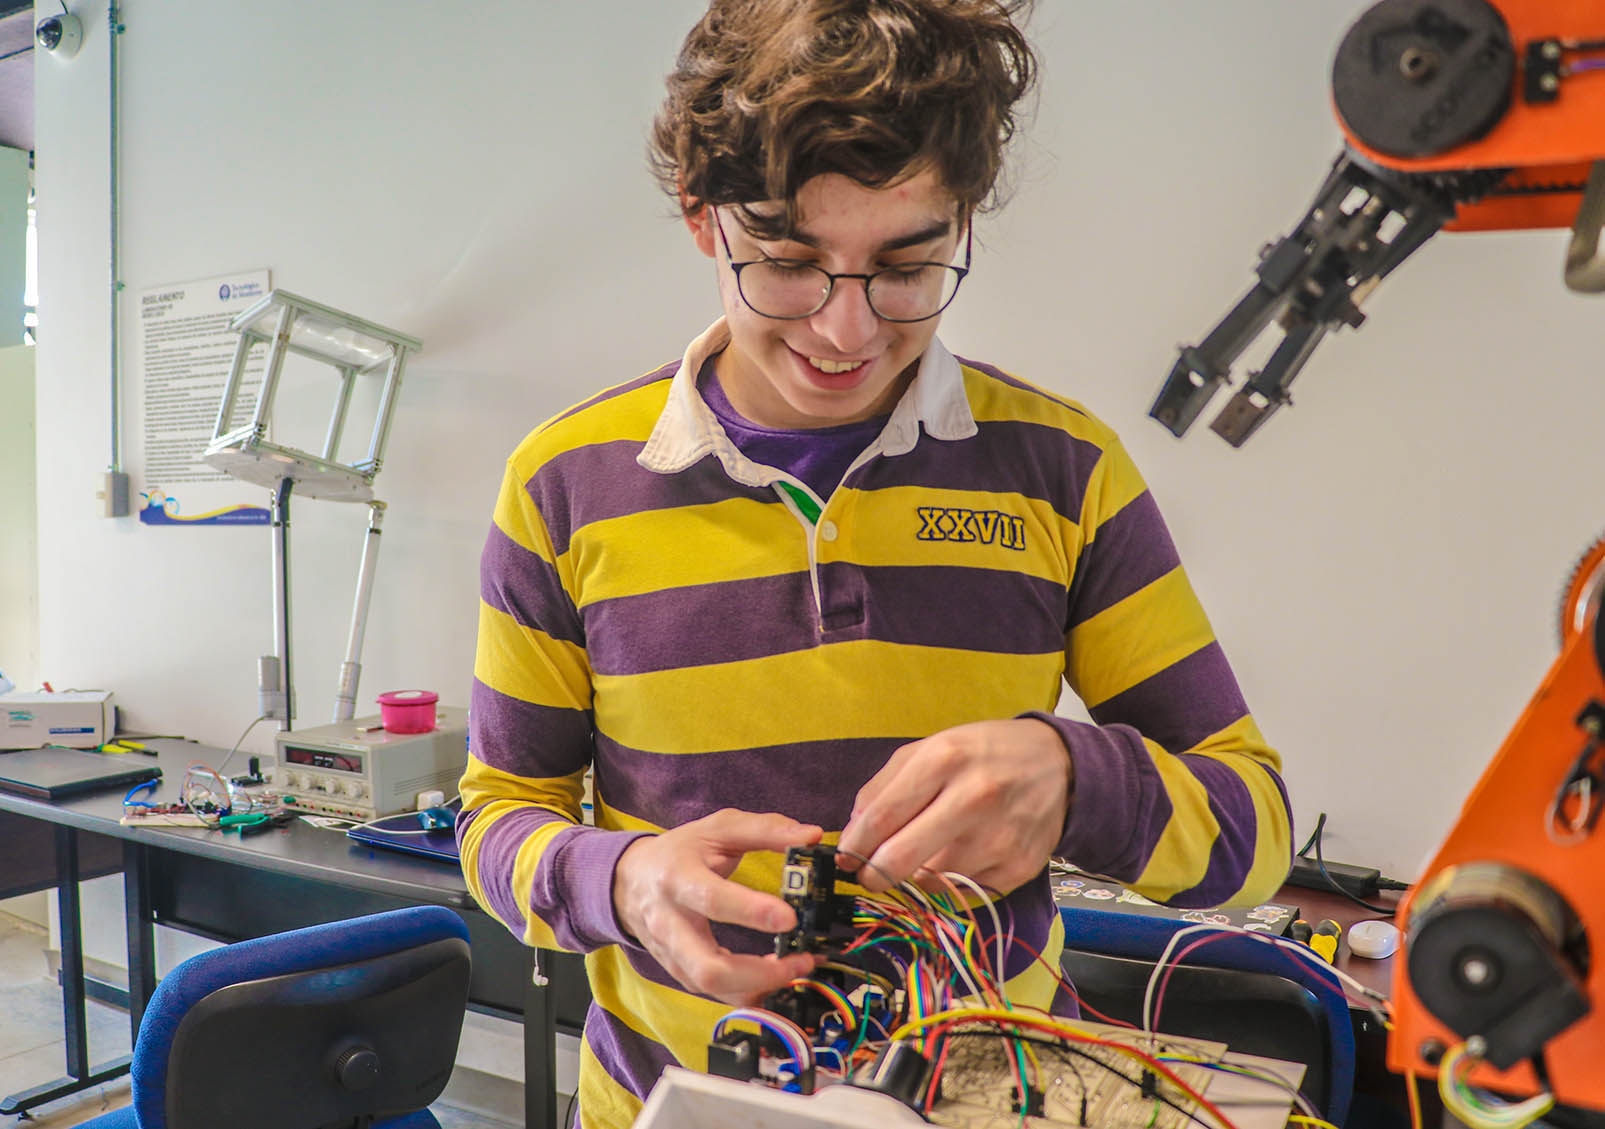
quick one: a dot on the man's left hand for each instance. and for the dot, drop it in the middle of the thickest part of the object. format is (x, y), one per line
(987, 799)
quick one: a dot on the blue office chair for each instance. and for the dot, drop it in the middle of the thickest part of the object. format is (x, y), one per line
(348, 1025)
(1233, 990)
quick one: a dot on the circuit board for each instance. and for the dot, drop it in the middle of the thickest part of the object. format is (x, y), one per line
(981, 1083)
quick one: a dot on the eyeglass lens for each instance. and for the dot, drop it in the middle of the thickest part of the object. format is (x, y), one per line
(897, 293)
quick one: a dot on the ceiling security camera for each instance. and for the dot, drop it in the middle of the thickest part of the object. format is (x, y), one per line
(60, 35)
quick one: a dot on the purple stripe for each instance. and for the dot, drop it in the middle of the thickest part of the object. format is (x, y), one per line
(525, 739)
(630, 1059)
(519, 583)
(1231, 856)
(1044, 463)
(1120, 805)
(602, 480)
(1130, 550)
(665, 373)
(972, 609)
(498, 851)
(1182, 704)
(702, 623)
(812, 781)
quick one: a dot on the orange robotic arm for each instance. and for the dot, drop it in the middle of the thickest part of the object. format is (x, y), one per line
(1466, 115)
(1457, 115)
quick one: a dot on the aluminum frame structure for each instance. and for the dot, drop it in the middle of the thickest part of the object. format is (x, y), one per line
(354, 347)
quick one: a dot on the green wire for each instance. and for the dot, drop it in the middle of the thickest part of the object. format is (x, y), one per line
(1025, 1085)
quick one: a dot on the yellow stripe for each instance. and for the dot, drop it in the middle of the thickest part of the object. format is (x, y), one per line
(528, 664)
(735, 539)
(992, 401)
(884, 527)
(1036, 986)
(627, 415)
(834, 692)
(497, 795)
(1117, 648)
(482, 784)
(1181, 855)
(604, 1104)
(682, 1022)
(516, 516)
(1239, 746)
(1114, 484)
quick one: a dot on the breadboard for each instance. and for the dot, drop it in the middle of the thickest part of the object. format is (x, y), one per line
(980, 1082)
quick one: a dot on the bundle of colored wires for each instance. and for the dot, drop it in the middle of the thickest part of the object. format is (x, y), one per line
(789, 1034)
(205, 793)
(1480, 1110)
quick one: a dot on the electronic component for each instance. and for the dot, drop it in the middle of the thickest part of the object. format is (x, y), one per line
(735, 1054)
(1360, 881)
(901, 1071)
(359, 770)
(808, 885)
(1373, 939)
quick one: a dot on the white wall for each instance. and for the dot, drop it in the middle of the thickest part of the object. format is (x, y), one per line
(1381, 562)
(19, 542)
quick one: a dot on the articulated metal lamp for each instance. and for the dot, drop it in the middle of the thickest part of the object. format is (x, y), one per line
(355, 349)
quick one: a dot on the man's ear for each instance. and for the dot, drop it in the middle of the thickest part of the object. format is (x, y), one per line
(699, 221)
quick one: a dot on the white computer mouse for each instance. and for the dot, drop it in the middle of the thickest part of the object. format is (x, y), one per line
(1373, 939)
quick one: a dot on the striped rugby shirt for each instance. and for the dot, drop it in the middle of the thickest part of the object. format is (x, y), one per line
(659, 608)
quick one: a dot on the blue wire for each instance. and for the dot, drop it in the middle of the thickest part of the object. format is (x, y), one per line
(130, 802)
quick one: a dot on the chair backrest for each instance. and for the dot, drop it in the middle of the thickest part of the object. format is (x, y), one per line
(333, 1025)
(1235, 990)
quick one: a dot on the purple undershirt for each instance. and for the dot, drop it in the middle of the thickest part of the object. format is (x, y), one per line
(818, 456)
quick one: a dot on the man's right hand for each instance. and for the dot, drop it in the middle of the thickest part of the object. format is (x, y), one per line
(668, 887)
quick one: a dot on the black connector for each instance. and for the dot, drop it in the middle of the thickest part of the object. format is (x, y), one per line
(734, 1055)
(1360, 881)
(1033, 1105)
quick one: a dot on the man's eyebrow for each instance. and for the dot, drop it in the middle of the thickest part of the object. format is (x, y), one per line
(934, 230)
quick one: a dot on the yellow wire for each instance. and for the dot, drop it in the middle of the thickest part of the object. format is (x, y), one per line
(1415, 1099)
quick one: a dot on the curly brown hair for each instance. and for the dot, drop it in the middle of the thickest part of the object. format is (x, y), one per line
(768, 94)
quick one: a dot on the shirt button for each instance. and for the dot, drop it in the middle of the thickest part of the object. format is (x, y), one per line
(827, 530)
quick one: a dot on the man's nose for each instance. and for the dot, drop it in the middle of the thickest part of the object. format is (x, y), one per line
(846, 320)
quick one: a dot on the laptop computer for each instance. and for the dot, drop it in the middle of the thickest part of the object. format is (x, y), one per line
(58, 774)
(405, 832)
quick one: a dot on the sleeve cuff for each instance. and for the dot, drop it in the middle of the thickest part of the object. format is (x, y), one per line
(1104, 796)
(583, 869)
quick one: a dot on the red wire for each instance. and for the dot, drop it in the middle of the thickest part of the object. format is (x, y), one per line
(1068, 987)
(1164, 981)
(1151, 1062)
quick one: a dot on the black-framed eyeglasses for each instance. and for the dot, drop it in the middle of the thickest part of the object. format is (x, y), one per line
(790, 291)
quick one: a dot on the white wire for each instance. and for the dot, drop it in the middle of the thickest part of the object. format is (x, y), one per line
(954, 958)
(1304, 952)
(240, 742)
(997, 924)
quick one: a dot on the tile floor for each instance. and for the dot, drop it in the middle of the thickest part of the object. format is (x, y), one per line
(31, 1039)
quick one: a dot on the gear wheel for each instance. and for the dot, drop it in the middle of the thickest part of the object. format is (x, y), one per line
(1580, 600)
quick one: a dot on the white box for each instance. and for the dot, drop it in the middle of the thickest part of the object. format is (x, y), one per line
(79, 719)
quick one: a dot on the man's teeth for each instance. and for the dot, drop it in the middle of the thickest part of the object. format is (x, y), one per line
(833, 366)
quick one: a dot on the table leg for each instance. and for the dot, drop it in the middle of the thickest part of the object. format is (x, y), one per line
(80, 1076)
(540, 1051)
(138, 922)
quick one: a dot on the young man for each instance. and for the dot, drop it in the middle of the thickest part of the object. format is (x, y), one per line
(821, 578)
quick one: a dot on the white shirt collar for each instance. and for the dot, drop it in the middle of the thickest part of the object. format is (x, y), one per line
(687, 429)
